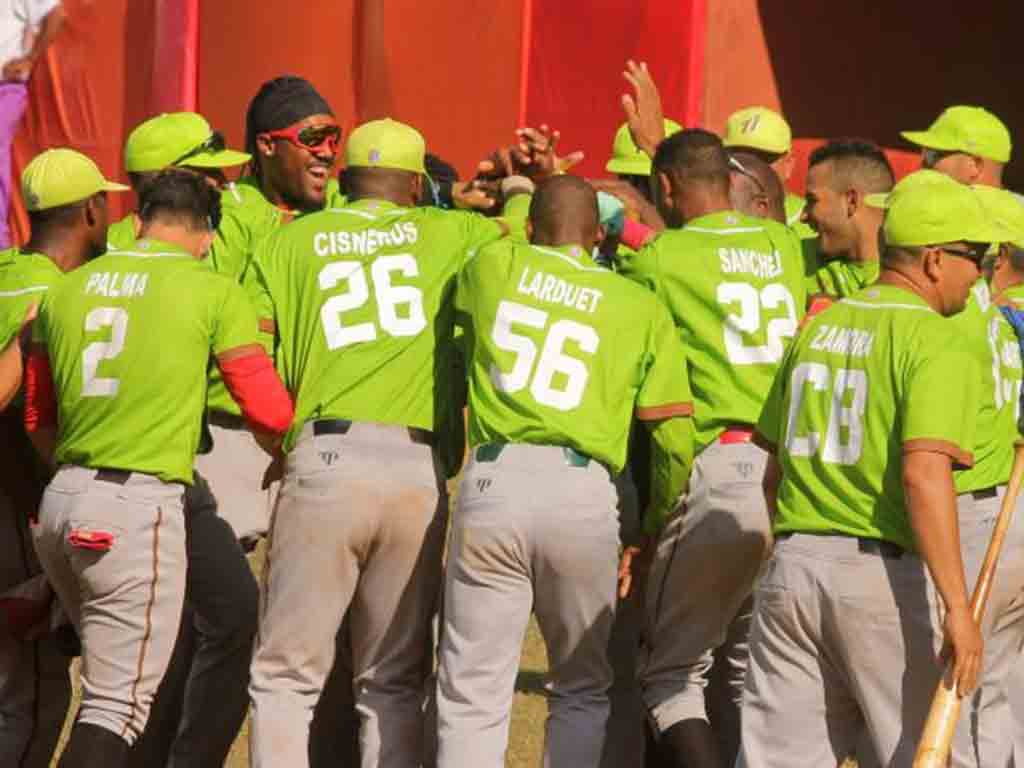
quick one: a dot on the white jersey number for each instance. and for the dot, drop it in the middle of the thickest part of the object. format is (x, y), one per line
(553, 359)
(748, 321)
(851, 417)
(389, 298)
(103, 317)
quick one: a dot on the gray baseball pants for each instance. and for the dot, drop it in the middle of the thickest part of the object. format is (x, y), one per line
(234, 469)
(531, 532)
(984, 733)
(358, 526)
(707, 560)
(35, 689)
(125, 602)
(844, 634)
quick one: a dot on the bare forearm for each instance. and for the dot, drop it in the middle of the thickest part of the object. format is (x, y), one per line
(931, 505)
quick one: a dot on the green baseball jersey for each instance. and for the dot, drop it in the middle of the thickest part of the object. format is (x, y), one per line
(129, 337)
(361, 297)
(989, 339)
(562, 351)
(247, 218)
(839, 278)
(734, 286)
(794, 205)
(24, 280)
(869, 378)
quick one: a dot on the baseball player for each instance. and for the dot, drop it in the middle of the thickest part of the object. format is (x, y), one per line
(66, 197)
(755, 189)
(630, 163)
(178, 139)
(359, 523)
(114, 397)
(970, 144)
(766, 132)
(982, 737)
(841, 173)
(872, 410)
(187, 722)
(550, 355)
(734, 286)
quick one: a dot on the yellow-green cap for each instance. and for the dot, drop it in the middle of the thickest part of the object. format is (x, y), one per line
(758, 128)
(627, 158)
(1006, 208)
(386, 143)
(59, 177)
(935, 209)
(173, 138)
(972, 130)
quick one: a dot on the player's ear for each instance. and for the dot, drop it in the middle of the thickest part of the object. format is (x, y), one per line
(416, 189)
(264, 144)
(854, 201)
(529, 230)
(664, 187)
(931, 263)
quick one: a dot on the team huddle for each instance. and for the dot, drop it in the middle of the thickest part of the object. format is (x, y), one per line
(780, 429)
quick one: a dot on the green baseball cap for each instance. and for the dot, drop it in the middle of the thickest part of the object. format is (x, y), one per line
(386, 143)
(178, 138)
(972, 130)
(627, 158)
(1007, 208)
(758, 128)
(933, 209)
(59, 177)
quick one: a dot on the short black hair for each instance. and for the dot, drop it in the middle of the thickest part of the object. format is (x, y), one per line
(182, 197)
(857, 163)
(564, 204)
(694, 154)
(62, 216)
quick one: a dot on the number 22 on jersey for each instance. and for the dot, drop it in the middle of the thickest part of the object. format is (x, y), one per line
(748, 321)
(553, 360)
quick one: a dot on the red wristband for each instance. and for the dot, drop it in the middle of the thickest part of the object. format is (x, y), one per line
(635, 235)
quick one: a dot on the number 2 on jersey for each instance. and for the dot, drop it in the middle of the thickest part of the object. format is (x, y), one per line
(102, 317)
(389, 297)
(748, 321)
(553, 360)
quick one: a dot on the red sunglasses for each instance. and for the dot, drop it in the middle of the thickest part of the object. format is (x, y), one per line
(315, 138)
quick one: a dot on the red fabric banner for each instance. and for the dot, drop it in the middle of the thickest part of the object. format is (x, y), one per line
(578, 52)
(115, 63)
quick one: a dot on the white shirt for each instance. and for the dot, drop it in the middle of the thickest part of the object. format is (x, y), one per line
(19, 22)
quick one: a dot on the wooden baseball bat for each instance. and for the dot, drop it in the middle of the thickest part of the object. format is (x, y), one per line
(933, 748)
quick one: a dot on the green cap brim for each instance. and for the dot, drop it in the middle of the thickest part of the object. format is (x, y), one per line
(629, 166)
(929, 140)
(226, 158)
(770, 147)
(877, 199)
(113, 186)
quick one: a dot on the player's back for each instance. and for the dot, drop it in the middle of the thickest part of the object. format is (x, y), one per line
(129, 338)
(862, 381)
(24, 279)
(560, 348)
(361, 297)
(734, 285)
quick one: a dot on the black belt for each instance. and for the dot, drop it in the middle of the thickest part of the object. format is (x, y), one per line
(491, 451)
(226, 420)
(867, 546)
(119, 476)
(985, 493)
(342, 426)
